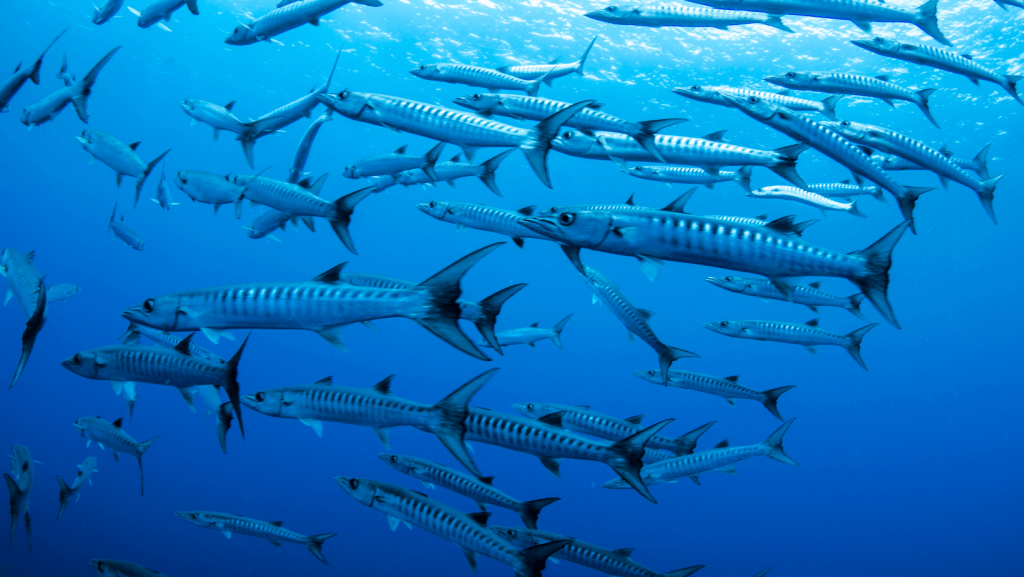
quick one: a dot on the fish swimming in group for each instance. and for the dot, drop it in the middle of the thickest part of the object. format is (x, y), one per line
(210, 188)
(806, 334)
(726, 387)
(27, 287)
(288, 14)
(61, 292)
(716, 95)
(688, 175)
(13, 84)
(549, 72)
(530, 335)
(158, 10)
(977, 165)
(394, 163)
(163, 192)
(270, 530)
(845, 189)
(120, 157)
(807, 197)
(479, 489)
(83, 476)
(476, 76)
(220, 117)
(76, 94)
(112, 436)
(19, 484)
(809, 295)
(468, 531)
(103, 14)
(683, 17)
(298, 164)
(124, 232)
(116, 568)
(166, 339)
(453, 170)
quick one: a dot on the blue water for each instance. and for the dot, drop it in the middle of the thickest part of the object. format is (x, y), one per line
(912, 468)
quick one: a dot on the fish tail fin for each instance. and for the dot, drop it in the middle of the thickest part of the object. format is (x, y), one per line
(489, 168)
(143, 446)
(16, 496)
(533, 86)
(855, 210)
(786, 167)
(431, 157)
(193, 7)
(65, 496)
(80, 100)
(254, 130)
(829, 106)
(139, 182)
(987, 196)
(556, 336)
(875, 281)
(854, 306)
(531, 510)
(32, 328)
(315, 542)
(90, 78)
(343, 208)
(928, 21)
(536, 147)
(453, 411)
(922, 103)
(490, 307)
(853, 347)
(671, 355)
(628, 454)
(223, 425)
(38, 64)
(685, 572)
(908, 201)
(981, 162)
(1011, 85)
(685, 444)
(771, 397)
(774, 444)
(535, 558)
(645, 135)
(743, 177)
(777, 23)
(583, 59)
(231, 384)
(445, 289)
(879, 195)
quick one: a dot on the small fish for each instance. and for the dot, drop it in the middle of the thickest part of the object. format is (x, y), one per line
(270, 530)
(61, 292)
(162, 10)
(549, 72)
(112, 436)
(119, 156)
(210, 188)
(83, 476)
(19, 484)
(394, 163)
(166, 339)
(728, 387)
(807, 197)
(683, 17)
(12, 85)
(452, 170)
(103, 14)
(289, 14)
(978, 164)
(530, 335)
(807, 335)
(305, 146)
(687, 175)
(809, 295)
(163, 193)
(217, 117)
(475, 76)
(716, 95)
(846, 190)
(76, 95)
(125, 232)
(115, 568)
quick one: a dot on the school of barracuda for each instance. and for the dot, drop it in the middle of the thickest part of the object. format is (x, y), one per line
(771, 249)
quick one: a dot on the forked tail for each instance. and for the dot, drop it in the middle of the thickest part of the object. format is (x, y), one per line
(771, 397)
(531, 509)
(556, 336)
(343, 208)
(922, 103)
(145, 174)
(874, 283)
(644, 136)
(774, 444)
(627, 458)
(538, 143)
(65, 496)
(489, 167)
(927, 20)
(853, 345)
(450, 426)
(685, 444)
(490, 308)
(315, 542)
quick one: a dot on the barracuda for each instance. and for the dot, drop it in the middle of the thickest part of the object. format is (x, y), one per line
(453, 170)
(287, 16)
(111, 436)
(809, 295)
(163, 10)
(176, 367)
(217, 117)
(861, 13)
(546, 440)
(468, 531)
(683, 17)
(83, 476)
(549, 72)
(124, 232)
(394, 163)
(166, 339)
(22, 277)
(116, 568)
(872, 87)
(580, 419)
(716, 95)
(13, 84)
(530, 335)
(103, 14)
(846, 190)
(588, 119)
(728, 388)
(120, 157)
(468, 131)
(34, 324)
(19, 484)
(475, 76)
(75, 94)
(482, 217)
(707, 154)
(784, 225)
(721, 458)
(921, 154)
(704, 240)
(806, 334)
(962, 64)
(684, 175)
(210, 188)
(833, 145)
(272, 531)
(977, 165)
(617, 563)
(305, 146)
(807, 197)
(479, 489)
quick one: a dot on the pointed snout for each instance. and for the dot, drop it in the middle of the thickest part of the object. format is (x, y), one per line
(81, 139)
(249, 401)
(539, 225)
(424, 207)
(862, 43)
(521, 407)
(777, 80)
(716, 280)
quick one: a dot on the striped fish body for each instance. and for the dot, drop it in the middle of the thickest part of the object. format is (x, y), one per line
(286, 197)
(112, 152)
(268, 222)
(384, 164)
(480, 217)
(699, 463)
(285, 18)
(841, 83)
(290, 113)
(615, 563)
(790, 102)
(207, 187)
(116, 568)
(469, 311)
(536, 108)
(103, 14)
(675, 149)
(22, 278)
(843, 190)
(652, 456)
(533, 437)
(523, 336)
(793, 333)
(228, 523)
(446, 172)
(473, 76)
(727, 388)
(127, 234)
(367, 407)
(807, 197)
(165, 339)
(939, 58)
(431, 473)
(677, 16)
(109, 435)
(216, 116)
(799, 294)
(50, 105)
(163, 10)
(305, 145)
(687, 175)
(860, 12)
(156, 365)
(580, 419)
(535, 71)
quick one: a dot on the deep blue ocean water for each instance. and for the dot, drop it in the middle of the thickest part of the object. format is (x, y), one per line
(912, 468)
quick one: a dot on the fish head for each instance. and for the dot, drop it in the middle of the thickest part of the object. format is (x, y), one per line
(365, 491)
(732, 283)
(87, 138)
(438, 209)
(613, 14)
(242, 34)
(767, 191)
(102, 567)
(181, 179)
(517, 536)
(577, 228)
(879, 45)
(189, 106)
(641, 171)
(272, 402)
(399, 463)
(753, 106)
(792, 79)
(159, 312)
(82, 424)
(576, 143)
(535, 410)
(199, 518)
(650, 376)
(701, 94)
(482, 103)
(426, 71)
(852, 130)
(350, 171)
(88, 364)
(347, 103)
(727, 328)
(26, 115)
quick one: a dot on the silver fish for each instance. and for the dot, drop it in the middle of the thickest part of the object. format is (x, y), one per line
(451, 171)
(530, 335)
(103, 14)
(479, 489)
(210, 188)
(124, 232)
(270, 530)
(215, 116)
(809, 295)
(475, 76)
(32, 328)
(846, 190)
(716, 95)
(120, 157)
(807, 197)
(686, 175)
(166, 339)
(978, 164)
(549, 72)
(76, 95)
(394, 163)
(728, 387)
(305, 146)
(83, 476)
(481, 217)
(683, 17)
(807, 335)
(116, 568)
(287, 16)
(162, 10)
(61, 292)
(13, 84)
(19, 484)
(19, 270)
(163, 193)
(112, 436)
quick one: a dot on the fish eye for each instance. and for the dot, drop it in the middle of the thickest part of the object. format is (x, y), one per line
(844, 123)
(423, 66)
(879, 40)
(568, 135)
(566, 218)
(651, 373)
(148, 305)
(394, 458)
(260, 396)
(433, 203)
(529, 407)
(100, 566)
(343, 94)
(511, 532)
(695, 87)
(728, 279)
(790, 75)
(476, 97)
(753, 100)
(354, 483)
(77, 359)
(724, 323)
(611, 8)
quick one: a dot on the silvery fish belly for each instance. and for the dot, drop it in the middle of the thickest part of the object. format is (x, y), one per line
(368, 407)
(807, 197)
(284, 196)
(675, 149)
(474, 76)
(112, 152)
(208, 187)
(157, 365)
(480, 217)
(685, 17)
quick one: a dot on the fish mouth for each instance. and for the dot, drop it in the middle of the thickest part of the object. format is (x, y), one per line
(424, 207)
(683, 91)
(717, 281)
(386, 457)
(67, 364)
(545, 225)
(521, 407)
(84, 141)
(776, 80)
(249, 401)
(463, 101)
(862, 43)
(735, 100)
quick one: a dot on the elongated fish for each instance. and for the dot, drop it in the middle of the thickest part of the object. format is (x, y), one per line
(32, 328)
(716, 95)
(482, 217)
(475, 76)
(807, 335)
(75, 94)
(831, 144)
(19, 271)
(453, 170)
(962, 64)
(112, 436)
(210, 188)
(61, 292)
(530, 335)
(977, 165)
(862, 13)
(686, 175)
(83, 476)
(468, 131)
(479, 489)
(116, 568)
(159, 10)
(809, 295)
(728, 387)
(846, 190)
(270, 530)
(120, 157)
(872, 87)
(217, 117)
(549, 72)
(672, 15)
(618, 563)
(19, 484)
(124, 232)
(588, 119)
(468, 531)
(287, 16)
(166, 339)
(103, 14)
(807, 197)
(13, 84)
(305, 146)
(394, 163)
(721, 458)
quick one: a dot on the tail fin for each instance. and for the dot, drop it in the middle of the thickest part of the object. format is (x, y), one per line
(774, 444)
(231, 383)
(854, 306)
(777, 23)
(65, 496)
(32, 328)
(583, 59)
(1011, 85)
(670, 355)
(79, 101)
(684, 572)
(628, 454)
(786, 168)
(145, 173)
(343, 208)
(556, 337)
(533, 86)
(537, 145)
(16, 496)
(34, 76)
(980, 162)
(143, 446)
(223, 425)
(315, 542)
(855, 211)
(879, 195)
(875, 281)
(907, 202)
(535, 558)
(253, 131)
(829, 106)
(451, 426)
(444, 290)
(922, 103)
(490, 307)
(685, 444)
(193, 7)
(800, 227)
(854, 345)
(928, 21)
(987, 195)
(531, 509)
(645, 135)
(431, 157)
(771, 397)
(743, 177)
(489, 167)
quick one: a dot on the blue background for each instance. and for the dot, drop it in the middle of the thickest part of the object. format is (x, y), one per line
(911, 468)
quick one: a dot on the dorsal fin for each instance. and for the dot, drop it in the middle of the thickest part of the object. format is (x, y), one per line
(584, 407)
(534, 325)
(487, 480)
(629, 200)
(456, 157)
(645, 313)
(845, 181)
(134, 145)
(812, 323)
(480, 517)
(117, 423)
(554, 419)
(679, 205)
(401, 149)
(967, 56)
(733, 378)
(276, 523)
(625, 552)
(784, 92)
(761, 217)
(883, 77)
(715, 136)
(305, 183)
(636, 419)
(384, 386)
(229, 106)
(325, 381)
(815, 284)
(182, 347)
(723, 444)
(332, 274)
(527, 210)
(782, 224)
(31, 255)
